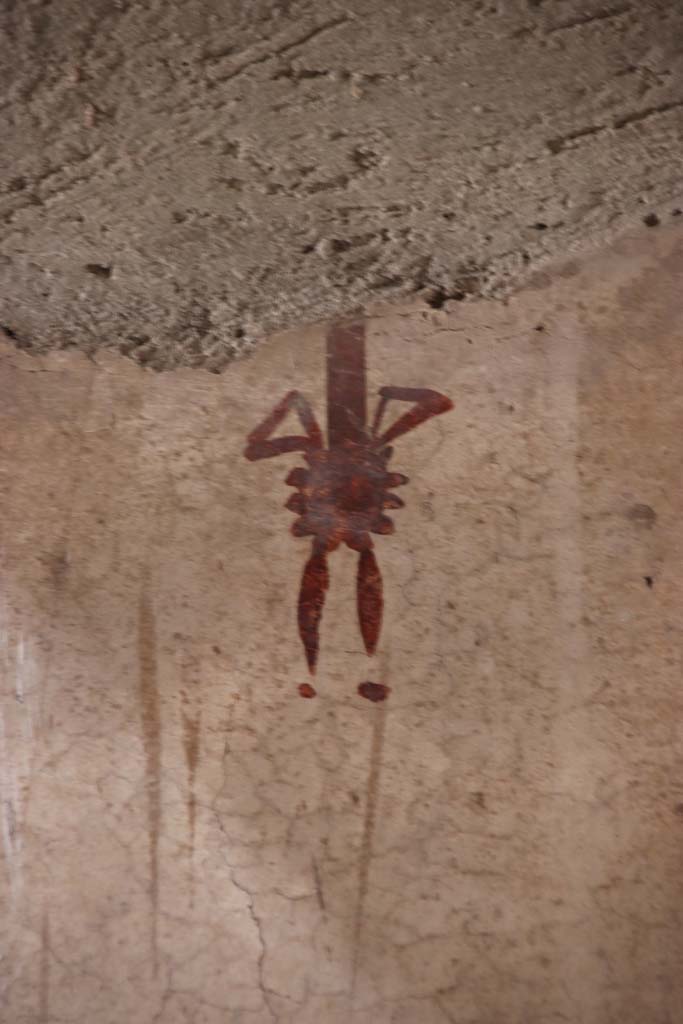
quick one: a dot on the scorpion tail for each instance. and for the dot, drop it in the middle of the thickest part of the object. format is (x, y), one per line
(314, 583)
(370, 602)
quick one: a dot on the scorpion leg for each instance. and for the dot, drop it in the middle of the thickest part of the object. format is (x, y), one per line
(297, 477)
(314, 583)
(369, 596)
(260, 445)
(427, 403)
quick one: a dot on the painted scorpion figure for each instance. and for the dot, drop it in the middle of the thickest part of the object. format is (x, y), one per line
(342, 496)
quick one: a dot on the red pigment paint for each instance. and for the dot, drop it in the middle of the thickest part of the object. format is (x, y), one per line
(346, 387)
(374, 691)
(306, 690)
(342, 496)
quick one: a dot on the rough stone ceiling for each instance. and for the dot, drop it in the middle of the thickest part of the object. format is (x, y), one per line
(180, 178)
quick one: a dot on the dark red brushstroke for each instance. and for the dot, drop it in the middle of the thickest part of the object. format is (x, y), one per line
(306, 690)
(370, 602)
(346, 385)
(375, 692)
(315, 581)
(341, 497)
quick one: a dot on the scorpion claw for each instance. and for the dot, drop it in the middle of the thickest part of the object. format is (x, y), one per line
(369, 592)
(314, 583)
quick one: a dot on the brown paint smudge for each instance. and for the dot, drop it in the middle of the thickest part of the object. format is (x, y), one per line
(318, 884)
(306, 690)
(151, 733)
(58, 567)
(45, 968)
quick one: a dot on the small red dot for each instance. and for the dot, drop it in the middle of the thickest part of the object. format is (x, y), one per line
(306, 690)
(374, 691)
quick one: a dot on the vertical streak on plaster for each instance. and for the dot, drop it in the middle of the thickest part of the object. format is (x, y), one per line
(9, 797)
(191, 745)
(376, 749)
(151, 733)
(44, 1011)
(17, 745)
(569, 649)
(563, 411)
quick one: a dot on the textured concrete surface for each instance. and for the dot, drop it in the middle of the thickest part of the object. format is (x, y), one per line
(179, 178)
(186, 840)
